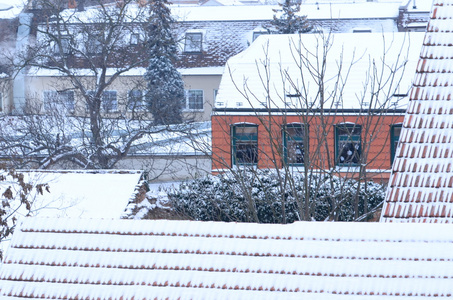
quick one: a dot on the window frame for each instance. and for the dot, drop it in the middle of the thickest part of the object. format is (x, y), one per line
(192, 45)
(187, 99)
(393, 140)
(350, 138)
(65, 97)
(297, 139)
(103, 101)
(244, 140)
(94, 45)
(65, 41)
(113, 102)
(136, 107)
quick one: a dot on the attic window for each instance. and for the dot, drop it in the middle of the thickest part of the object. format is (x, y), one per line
(399, 95)
(297, 95)
(193, 42)
(361, 30)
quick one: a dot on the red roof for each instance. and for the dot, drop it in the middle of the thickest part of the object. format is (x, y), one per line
(421, 184)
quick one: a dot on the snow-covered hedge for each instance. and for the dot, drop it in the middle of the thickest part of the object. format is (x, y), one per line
(249, 196)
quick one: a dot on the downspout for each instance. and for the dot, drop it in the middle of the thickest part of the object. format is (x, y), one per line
(23, 33)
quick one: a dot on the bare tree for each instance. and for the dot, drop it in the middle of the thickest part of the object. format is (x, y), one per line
(296, 110)
(16, 201)
(82, 54)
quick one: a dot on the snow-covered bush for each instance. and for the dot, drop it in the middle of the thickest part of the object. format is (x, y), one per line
(261, 195)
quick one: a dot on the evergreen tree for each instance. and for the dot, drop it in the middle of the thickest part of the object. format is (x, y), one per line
(289, 22)
(165, 93)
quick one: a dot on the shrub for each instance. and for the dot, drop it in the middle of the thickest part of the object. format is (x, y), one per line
(261, 195)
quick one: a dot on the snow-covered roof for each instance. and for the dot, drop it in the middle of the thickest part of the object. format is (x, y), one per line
(127, 259)
(421, 184)
(313, 10)
(42, 72)
(11, 8)
(84, 194)
(241, 11)
(275, 59)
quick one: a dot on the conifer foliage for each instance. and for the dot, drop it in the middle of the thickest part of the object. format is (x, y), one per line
(289, 22)
(165, 93)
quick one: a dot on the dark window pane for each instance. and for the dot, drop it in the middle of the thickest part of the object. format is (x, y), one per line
(294, 144)
(193, 42)
(135, 100)
(195, 99)
(348, 144)
(349, 152)
(109, 101)
(245, 144)
(246, 153)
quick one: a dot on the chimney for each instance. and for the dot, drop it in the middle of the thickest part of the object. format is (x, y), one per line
(81, 5)
(72, 4)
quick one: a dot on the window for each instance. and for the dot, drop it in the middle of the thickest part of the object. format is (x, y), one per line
(193, 42)
(135, 100)
(395, 132)
(54, 98)
(348, 144)
(135, 38)
(109, 100)
(65, 42)
(94, 45)
(245, 144)
(361, 30)
(293, 144)
(194, 99)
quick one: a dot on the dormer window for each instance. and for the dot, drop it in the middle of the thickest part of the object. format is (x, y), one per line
(193, 42)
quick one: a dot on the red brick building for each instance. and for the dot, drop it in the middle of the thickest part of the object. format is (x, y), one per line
(280, 105)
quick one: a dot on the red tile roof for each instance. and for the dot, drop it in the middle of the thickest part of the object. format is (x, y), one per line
(126, 259)
(421, 184)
